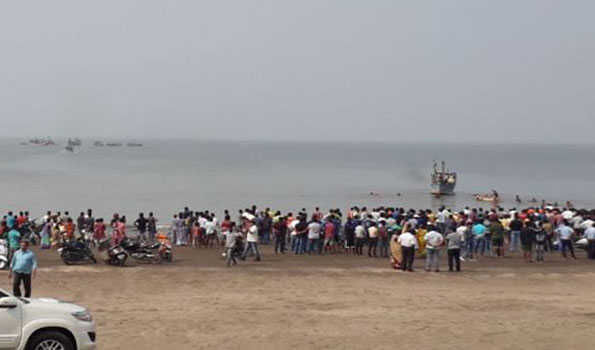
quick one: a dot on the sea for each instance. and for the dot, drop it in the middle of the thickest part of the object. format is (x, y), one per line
(164, 176)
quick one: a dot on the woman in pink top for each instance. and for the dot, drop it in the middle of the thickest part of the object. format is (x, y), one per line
(119, 231)
(99, 230)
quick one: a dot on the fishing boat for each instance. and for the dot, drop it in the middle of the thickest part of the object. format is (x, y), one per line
(42, 141)
(98, 144)
(443, 180)
(75, 142)
(113, 144)
(134, 144)
(70, 146)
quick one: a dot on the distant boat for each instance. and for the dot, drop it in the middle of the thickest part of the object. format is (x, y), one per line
(133, 144)
(40, 141)
(69, 148)
(98, 144)
(113, 144)
(443, 181)
(75, 142)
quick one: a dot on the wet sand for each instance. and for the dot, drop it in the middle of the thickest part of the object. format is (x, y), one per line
(330, 302)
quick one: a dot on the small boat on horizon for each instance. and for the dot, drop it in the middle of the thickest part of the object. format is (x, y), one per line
(114, 144)
(98, 144)
(134, 144)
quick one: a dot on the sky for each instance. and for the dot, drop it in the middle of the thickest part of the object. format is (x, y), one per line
(309, 70)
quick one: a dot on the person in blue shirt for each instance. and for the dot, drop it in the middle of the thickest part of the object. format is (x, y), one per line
(11, 220)
(14, 237)
(23, 266)
(479, 232)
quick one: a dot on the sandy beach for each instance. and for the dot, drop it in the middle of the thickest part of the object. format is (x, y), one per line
(328, 302)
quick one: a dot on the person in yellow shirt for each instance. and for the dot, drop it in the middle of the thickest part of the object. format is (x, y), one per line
(420, 234)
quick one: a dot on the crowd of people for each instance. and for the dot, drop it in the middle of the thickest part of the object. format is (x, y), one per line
(397, 234)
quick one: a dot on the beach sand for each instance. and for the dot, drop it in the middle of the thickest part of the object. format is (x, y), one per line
(329, 302)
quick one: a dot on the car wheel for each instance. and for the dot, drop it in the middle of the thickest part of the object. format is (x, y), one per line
(3, 264)
(50, 340)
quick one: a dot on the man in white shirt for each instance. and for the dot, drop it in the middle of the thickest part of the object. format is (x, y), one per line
(313, 235)
(360, 236)
(408, 244)
(252, 241)
(590, 236)
(433, 242)
(565, 233)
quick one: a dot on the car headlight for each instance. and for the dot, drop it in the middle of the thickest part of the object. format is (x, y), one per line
(84, 316)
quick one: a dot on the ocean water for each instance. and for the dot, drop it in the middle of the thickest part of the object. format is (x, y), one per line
(165, 176)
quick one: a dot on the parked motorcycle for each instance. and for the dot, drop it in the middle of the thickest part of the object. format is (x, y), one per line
(3, 254)
(76, 252)
(112, 254)
(142, 252)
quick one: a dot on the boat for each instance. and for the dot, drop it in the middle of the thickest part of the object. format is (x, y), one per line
(40, 141)
(494, 197)
(443, 181)
(133, 144)
(485, 198)
(75, 142)
(70, 146)
(113, 144)
(98, 144)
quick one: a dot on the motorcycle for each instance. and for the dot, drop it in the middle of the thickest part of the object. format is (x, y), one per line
(142, 252)
(87, 237)
(3, 254)
(114, 255)
(76, 252)
(165, 251)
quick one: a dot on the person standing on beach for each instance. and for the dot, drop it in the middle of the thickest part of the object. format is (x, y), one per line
(360, 236)
(23, 267)
(516, 225)
(408, 244)
(433, 241)
(81, 223)
(497, 231)
(252, 241)
(372, 239)
(527, 239)
(152, 226)
(479, 231)
(314, 228)
(279, 232)
(141, 226)
(454, 242)
(14, 238)
(540, 241)
(565, 233)
(590, 236)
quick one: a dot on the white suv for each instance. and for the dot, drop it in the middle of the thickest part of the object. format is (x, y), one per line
(40, 324)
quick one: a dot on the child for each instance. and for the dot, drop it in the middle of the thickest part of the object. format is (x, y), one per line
(195, 232)
(540, 240)
(99, 230)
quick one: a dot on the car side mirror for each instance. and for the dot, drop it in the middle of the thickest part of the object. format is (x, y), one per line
(9, 303)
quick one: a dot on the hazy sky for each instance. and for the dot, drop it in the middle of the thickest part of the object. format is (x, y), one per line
(392, 70)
